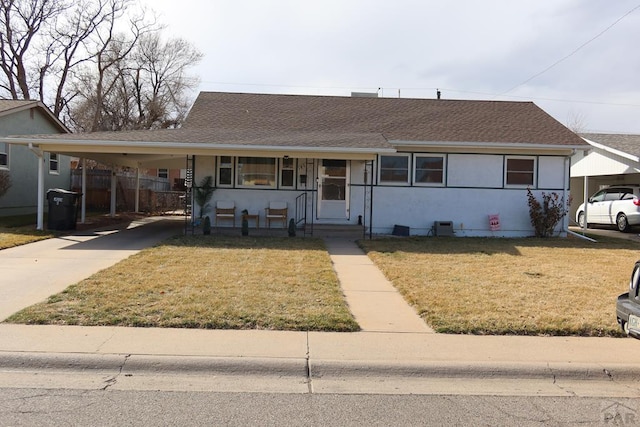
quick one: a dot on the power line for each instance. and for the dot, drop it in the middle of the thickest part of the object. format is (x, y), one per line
(574, 51)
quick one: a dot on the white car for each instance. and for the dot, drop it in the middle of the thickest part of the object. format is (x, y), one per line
(617, 205)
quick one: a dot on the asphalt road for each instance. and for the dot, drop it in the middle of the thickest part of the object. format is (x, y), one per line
(33, 407)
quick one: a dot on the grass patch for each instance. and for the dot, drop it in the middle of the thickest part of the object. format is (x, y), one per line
(16, 236)
(523, 286)
(211, 282)
(19, 230)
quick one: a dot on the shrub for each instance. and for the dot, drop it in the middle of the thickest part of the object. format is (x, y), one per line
(545, 216)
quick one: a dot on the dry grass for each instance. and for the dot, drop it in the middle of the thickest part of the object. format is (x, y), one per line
(16, 236)
(208, 282)
(510, 286)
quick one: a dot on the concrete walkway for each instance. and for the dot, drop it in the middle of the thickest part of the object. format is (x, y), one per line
(374, 302)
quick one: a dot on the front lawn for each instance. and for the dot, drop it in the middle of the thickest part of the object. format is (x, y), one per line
(208, 282)
(525, 286)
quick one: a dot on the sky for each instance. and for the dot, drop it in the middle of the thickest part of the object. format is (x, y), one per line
(576, 59)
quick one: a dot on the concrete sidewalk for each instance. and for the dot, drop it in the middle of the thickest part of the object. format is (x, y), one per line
(316, 362)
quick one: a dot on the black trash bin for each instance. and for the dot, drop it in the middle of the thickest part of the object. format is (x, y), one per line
(63, 209)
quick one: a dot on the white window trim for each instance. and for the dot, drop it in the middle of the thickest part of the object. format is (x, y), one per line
(281, 168)
(219, 166)
(257, 187)
(55, 171)
(429, 184)
(399, 183)
(7, 152)
(535, 171)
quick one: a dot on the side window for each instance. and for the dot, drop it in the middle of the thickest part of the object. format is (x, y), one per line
(225, 171)
(627, 194)
(429, 169)
(53, 164)
(613, 194)
(4, 155)
(520, 171)
(394, 169)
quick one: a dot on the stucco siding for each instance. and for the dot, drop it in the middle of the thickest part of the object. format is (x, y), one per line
(551, 172)
(468, 209)
(473, 170)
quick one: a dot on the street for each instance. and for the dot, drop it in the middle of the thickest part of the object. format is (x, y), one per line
(40, 407)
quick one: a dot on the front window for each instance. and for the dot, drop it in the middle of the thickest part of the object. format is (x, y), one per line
(520, 171)
(163, 173)
(256, 172)
(4, 155)
(287, 173)
(394, 169)
(429, 169)
(225, 171)
(53, 163)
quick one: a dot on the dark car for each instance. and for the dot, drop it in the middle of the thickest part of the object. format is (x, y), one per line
(628, 306)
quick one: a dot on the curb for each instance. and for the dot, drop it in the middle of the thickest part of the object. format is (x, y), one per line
(314, 369)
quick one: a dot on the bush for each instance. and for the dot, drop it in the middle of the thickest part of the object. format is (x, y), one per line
(545, 216)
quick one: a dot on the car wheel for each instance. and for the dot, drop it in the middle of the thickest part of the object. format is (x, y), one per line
(622, 223)
(581, 220)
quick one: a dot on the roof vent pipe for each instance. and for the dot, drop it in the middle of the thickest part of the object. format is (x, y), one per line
(438, 93)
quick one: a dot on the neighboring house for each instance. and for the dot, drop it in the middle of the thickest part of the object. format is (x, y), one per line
(609, 159)
(426, 164)
(28, 118)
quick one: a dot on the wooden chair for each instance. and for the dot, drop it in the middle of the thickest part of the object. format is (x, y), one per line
(277, 211)
(225, 210)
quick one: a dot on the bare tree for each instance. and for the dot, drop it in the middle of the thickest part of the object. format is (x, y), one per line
(161, 82)
(21, 23)
(45, 43)
(147, 89)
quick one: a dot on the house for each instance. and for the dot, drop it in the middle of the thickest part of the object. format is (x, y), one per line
(22, 161)
(608, 159)
(420, 165)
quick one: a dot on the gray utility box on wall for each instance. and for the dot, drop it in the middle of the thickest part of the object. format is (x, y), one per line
(443, 228)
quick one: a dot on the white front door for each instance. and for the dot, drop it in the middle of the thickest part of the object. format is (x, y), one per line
(333, 189)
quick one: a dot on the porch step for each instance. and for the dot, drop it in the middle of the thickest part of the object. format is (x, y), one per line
(336, 230)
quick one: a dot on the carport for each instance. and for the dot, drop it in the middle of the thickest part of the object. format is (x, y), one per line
(166, 148)
(611, 159)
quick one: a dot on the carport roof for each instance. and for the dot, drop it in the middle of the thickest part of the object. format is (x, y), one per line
(625, 143)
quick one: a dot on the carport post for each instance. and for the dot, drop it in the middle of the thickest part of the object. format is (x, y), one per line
(112, 210)
(137, 207)
(586, 201)
(83, 209)
(40, 215)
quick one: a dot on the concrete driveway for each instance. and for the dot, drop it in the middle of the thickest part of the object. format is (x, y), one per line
(31, 273)
(609, 232)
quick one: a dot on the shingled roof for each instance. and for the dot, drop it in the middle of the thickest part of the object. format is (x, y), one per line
(423, 120)
(629, 144)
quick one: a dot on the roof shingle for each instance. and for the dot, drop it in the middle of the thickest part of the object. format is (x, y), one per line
(398, 119)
